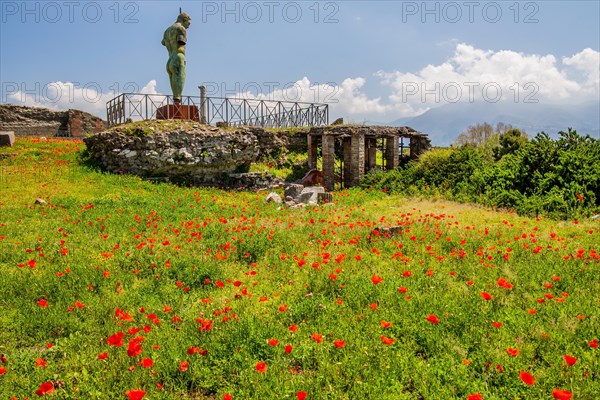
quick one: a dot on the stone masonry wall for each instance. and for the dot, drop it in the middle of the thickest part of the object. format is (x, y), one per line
(37, 121)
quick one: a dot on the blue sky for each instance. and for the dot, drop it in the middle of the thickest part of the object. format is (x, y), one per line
(374, 60)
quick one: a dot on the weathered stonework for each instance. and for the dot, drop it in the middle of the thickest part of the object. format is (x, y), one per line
(189, 151)
(358, 146)
(38, 121)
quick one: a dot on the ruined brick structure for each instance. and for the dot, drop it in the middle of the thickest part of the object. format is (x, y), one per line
(356, 148)
(37, 121)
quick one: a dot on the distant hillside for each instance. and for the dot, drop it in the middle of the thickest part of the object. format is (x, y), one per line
(38, 121)
(443, 124)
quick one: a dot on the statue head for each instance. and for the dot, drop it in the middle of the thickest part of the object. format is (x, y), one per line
(184, 19)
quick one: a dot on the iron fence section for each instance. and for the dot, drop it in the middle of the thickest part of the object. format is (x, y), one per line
(231, 111)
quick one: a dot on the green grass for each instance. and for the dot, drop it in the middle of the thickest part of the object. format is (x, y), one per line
(173, 258)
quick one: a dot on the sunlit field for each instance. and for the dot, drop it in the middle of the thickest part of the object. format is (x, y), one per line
(118, 288)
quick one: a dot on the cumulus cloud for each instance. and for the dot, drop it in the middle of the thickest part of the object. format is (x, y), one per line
(473, 74)
(345, 98)
(68, 95)
(588, 62)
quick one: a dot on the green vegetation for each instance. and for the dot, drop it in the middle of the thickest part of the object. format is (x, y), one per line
(559, 178)
(122, 289)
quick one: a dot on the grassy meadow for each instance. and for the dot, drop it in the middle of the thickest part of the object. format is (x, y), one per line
(118, 288)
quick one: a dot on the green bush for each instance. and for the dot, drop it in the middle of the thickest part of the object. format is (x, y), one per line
(555, 177)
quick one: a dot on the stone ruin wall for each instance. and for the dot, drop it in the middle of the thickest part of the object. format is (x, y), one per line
(37, 121)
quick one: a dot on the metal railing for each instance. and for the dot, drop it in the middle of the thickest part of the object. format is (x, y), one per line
(231, 111)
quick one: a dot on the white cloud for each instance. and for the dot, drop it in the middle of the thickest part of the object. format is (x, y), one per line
(588, 62)
(473, 74)
(68, 95)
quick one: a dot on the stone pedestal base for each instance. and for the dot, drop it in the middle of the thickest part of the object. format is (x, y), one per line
(178, 111)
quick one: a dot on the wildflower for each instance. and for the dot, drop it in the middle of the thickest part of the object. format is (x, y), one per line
(45, 388)
(301, 395)
(339, 343)
(183, 366)
(116, 339)
(317, 337)
(135, 394)
(386, 340)
(512, 352)
(486, 296)
(562, 394)
(261, 366)
(432, 318)
(40, 362)
(527, 378)
(376, 279)
(476, 396)
(570, 360)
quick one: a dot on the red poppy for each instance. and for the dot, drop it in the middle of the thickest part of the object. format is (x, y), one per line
(227, 396)
(40, 362)
(183, 365)
(293, 328)
(512, 352)
(497, 324)
(476, 396)
(385, 324)
(317, 337)
(45, 388)
(102, 356)
(301, 395)
(562, 394)
(42, 303)
(273, 342)
(387, 340)
(134, 347)
(116, 339)
(570, 360)
(594, 343)
(376, 279)
(432, 318)
(486, 296)
(261, 366)
(339, 343)
(135, 394)
(527, 378)
(504, 283)
(2, 370)
(146, 362)
(288, 349)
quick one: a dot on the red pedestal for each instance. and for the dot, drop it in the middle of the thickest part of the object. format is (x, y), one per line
(178, 111)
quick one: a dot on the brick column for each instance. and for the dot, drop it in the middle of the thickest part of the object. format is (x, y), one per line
(392, 152)
(313, 152)
(357, 159)
(328, 161)
(347, 162)
(371, 153)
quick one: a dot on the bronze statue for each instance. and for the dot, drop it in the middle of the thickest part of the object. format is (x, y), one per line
(174, 39)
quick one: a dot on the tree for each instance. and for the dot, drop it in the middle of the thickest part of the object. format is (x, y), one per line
(509, 142)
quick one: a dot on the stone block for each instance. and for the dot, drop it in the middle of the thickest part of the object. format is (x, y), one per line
(178, 111)
(292, 190)
(7, 138)
(310, 195)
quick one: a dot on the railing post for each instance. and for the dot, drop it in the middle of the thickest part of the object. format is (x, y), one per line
(202, 104)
